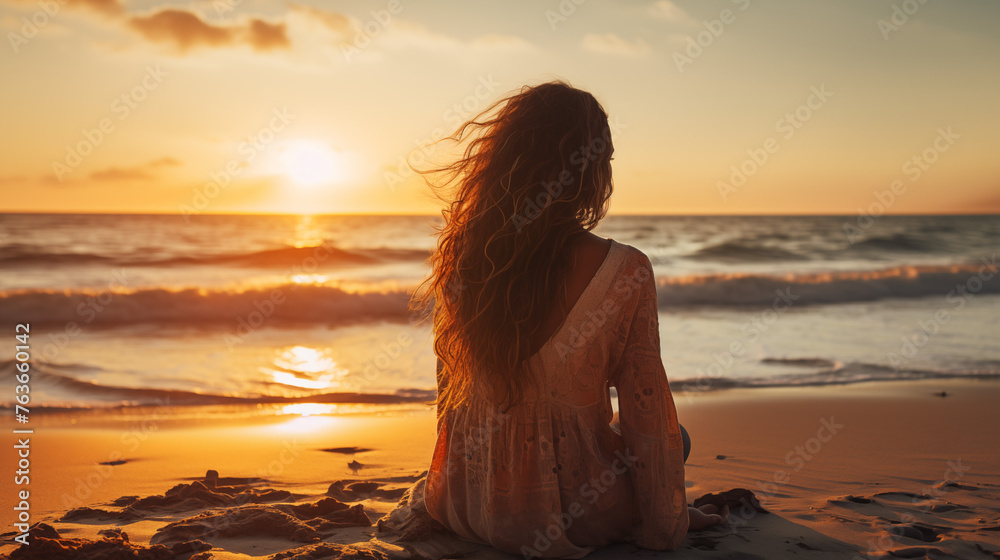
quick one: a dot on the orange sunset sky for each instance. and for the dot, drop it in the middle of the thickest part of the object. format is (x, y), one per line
(718, 107)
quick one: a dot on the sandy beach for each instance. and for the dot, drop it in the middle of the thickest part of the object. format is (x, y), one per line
(873, 470)
(246, 248)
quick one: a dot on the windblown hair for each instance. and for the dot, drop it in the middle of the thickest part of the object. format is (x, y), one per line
(534, 173)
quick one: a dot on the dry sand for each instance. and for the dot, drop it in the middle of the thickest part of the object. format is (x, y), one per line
(868, 471)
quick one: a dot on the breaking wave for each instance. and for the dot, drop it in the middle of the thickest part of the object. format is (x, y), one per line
(28, 255)
(284, 304)
(831, 373)
(826, 287)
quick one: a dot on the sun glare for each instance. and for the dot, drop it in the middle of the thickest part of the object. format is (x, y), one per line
(309, 163)
(309, 409)
(305, 368)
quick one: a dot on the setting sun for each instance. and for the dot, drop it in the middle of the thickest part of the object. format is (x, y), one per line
(309, 163)
(361, 279)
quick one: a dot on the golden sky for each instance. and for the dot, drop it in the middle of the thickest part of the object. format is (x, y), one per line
(719, 107)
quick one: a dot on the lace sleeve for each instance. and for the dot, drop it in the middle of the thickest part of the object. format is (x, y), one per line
(649, 424)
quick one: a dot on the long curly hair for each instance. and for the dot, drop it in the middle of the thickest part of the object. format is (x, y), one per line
(533, 173)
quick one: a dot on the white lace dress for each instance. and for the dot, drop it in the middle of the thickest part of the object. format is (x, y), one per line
(551, 478)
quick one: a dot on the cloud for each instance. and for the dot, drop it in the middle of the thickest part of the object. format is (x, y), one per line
(145, 172)
(401, 34)
(265, 36)
(180, 27)
(106, 7)
(333, 21)
(185, 30)
(667, 10)
(609, 43)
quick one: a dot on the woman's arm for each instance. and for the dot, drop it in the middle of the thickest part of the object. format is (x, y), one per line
(649, 423)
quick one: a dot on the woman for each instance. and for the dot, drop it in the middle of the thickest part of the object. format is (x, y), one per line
(534, 319)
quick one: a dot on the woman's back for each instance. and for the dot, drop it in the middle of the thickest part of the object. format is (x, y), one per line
(587, 256)
(534, 319)
(549, 477)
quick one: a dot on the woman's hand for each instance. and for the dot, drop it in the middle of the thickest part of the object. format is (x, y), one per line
(706, 516)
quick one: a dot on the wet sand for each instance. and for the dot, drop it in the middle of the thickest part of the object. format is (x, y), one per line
(877, 470)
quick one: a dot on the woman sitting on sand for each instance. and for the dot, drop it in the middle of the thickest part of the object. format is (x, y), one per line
(534, 319)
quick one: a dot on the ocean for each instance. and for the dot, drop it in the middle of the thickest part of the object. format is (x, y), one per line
(278, 312)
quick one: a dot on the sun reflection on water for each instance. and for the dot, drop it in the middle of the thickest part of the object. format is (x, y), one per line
(304, 418)
(309, 409)
(308, 233)
(310, 278)
(306, 368)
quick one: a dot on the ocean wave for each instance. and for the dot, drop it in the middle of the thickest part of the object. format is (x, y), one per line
(802, 362)
(89, 394)
(17, 254)
(734, 251)
(20, 254)
(276, 306)
(821, 288)
(899, 242)
(298, 304)
(839, 374)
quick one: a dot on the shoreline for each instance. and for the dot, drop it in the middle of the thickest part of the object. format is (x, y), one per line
(367, 403)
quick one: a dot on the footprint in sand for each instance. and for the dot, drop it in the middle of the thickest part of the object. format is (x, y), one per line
(346, 450)
(918, 531)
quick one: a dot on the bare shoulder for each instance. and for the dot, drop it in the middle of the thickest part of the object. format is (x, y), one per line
(593, 241)
(590, 250)
(634, 257)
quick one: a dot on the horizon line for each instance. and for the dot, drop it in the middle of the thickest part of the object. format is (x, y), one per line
(404, 214)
